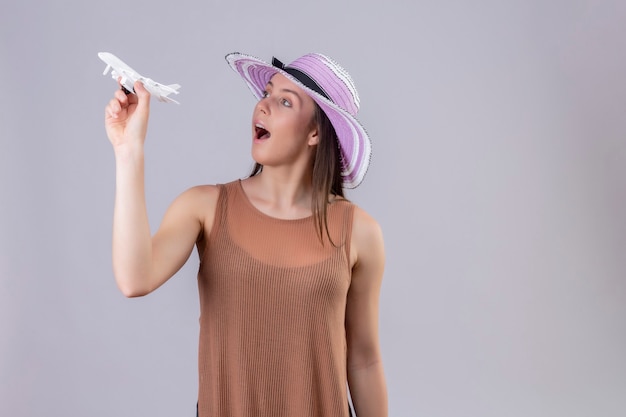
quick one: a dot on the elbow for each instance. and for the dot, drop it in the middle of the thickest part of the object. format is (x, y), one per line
(364, 356)
(133, 292)
(364, 363)
(130, 288)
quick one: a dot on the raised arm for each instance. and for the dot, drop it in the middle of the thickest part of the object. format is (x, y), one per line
(365, 368)
(142, 263)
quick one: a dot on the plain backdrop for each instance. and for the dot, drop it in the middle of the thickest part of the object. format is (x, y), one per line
(498, 177)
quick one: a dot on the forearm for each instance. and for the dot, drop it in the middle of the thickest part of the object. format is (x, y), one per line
(368, 390)
(132, 245)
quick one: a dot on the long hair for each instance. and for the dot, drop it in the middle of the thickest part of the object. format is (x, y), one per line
(326, 177)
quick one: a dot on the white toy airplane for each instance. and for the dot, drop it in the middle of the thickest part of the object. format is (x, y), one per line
(129, 76)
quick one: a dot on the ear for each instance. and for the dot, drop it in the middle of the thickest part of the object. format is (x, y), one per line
(314, 136)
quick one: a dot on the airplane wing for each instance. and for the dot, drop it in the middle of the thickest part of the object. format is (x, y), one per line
(128, 77)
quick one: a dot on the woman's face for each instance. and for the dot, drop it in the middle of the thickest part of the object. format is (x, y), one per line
(283, 128)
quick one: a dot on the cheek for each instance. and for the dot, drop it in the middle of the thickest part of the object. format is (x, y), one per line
(292, 129)
(303, 124)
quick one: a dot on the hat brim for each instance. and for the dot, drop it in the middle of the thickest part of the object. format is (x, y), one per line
(354, 142)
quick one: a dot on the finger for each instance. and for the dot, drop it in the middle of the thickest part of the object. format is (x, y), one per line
(140, 89)
(130, 98)
(143, 95)
(113, 108)
(121, 97)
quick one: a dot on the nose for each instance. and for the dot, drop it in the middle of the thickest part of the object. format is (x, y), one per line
(263, 105)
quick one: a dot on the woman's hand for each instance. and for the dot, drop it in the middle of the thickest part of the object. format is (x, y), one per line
(126, 117)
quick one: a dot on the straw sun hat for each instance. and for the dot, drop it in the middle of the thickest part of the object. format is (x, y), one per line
(332, 88)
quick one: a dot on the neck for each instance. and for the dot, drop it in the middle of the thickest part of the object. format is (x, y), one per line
(281, 192)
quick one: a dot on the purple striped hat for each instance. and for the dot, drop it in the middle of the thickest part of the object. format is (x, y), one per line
(332, 89)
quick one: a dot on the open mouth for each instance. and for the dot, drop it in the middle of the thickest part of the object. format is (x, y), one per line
(260, 132)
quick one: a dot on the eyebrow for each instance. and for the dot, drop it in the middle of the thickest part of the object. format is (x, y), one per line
(286, 90)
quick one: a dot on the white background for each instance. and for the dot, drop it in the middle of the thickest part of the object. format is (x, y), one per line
(498, 176)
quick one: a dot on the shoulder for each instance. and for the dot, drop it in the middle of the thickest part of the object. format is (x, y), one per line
(198, 202)
(365, 227)
(204, 198)
(200, 195)
(197, 206)
(367, 238)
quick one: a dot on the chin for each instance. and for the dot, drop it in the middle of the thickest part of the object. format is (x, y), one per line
(261, 157)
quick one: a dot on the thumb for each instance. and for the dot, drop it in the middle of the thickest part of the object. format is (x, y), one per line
(143, 96)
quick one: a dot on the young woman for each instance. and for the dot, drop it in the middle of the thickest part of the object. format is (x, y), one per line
(290, 271)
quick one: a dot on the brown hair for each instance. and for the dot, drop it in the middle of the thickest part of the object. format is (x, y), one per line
(326, 178)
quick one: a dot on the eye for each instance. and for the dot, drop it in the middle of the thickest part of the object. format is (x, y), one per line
(265, 94)
(285, 102)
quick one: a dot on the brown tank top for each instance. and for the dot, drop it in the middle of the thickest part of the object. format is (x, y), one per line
(272, 313)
